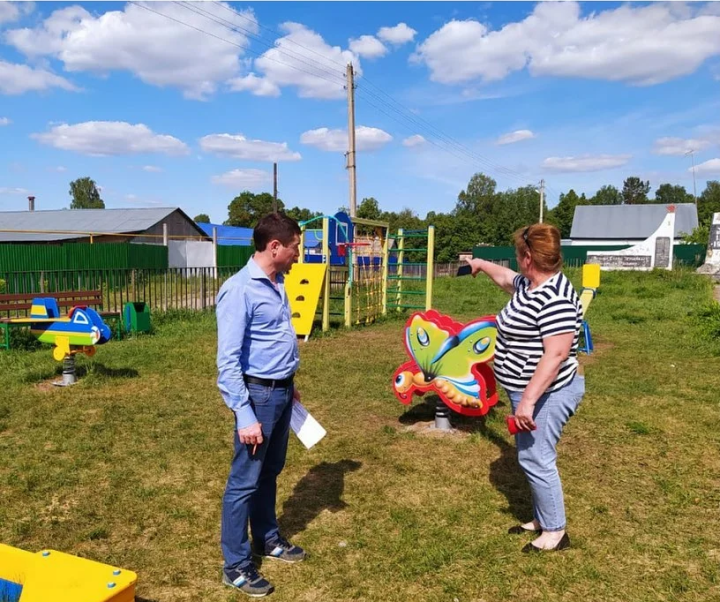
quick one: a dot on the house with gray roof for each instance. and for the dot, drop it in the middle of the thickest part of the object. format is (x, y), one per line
(142, 225)
(627, 224)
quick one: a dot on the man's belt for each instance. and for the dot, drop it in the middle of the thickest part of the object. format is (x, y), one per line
(266, 382)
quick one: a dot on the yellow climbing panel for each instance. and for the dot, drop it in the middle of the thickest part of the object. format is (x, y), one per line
(50, 575)
(303, 285)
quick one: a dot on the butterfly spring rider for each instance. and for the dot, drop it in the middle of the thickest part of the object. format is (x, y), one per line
(450, 359)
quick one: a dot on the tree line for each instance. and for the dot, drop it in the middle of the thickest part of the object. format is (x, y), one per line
(482, 215)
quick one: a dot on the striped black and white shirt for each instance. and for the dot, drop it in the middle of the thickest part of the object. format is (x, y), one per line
(531, 315)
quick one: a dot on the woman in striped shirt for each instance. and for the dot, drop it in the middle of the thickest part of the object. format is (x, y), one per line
(536, 363)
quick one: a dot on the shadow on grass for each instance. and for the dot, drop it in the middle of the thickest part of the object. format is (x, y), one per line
(505, 473)
(425, 412)
(139, 599)
(321, 488)
(100, 370)
(507, 477)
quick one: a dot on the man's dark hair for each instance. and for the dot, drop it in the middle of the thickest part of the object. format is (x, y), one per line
(275, 226)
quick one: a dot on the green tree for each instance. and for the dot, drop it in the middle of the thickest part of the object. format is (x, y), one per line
(607, 195)
(475, 212)
(369, 209)
(699, 236)
(300, 214)
(247, 208)
(672, 195)
(635, 191)
(514, 209)
(85, 194)
(564, 212)
(709, 203)
(448, 242)
(202, 218)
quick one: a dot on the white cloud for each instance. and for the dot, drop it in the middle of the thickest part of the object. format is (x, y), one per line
(366, 139)
(680, 146)
(585, 163)
(413, 141)
(711, 167)
(4, 190)
(18, 79)
(400, 34)
(152, 168)
(368, 47)
(12, 11)
(515, 136)
(251, 179)
(156, 49)
(5, 121)
(105, 138)
(58, 169)
(301, 59)
(239, 147)
(643, 45)
(259, 86)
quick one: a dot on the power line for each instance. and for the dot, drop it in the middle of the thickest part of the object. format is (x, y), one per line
(271, 46)
(424, 126)
(405, 113)
(245, 48)
(277, 33)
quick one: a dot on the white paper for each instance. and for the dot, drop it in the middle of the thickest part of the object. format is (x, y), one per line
(307, 429)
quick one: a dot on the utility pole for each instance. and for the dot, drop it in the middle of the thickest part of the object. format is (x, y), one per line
(274, 187)
(692, 158)
(542, 199)
(350, 86)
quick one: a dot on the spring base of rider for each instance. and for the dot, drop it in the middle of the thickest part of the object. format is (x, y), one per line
(68, 375)
(442, 417)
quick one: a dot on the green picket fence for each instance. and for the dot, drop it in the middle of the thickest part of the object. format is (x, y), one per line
(74, 256)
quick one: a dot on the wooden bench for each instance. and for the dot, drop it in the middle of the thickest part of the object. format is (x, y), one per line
(20, 305)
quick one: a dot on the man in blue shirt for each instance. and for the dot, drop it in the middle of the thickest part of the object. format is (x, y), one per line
(257, 357)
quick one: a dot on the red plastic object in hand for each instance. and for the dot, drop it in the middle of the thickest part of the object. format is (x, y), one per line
(513, 427)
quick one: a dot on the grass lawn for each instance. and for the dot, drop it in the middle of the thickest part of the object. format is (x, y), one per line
(128, 467)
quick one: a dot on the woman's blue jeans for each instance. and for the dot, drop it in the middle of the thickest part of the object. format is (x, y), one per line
(536, 450)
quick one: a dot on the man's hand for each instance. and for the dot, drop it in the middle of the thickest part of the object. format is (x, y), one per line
(296, 394)
(251, 435)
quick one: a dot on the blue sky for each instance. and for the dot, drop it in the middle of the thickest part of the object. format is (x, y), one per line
(159, 113)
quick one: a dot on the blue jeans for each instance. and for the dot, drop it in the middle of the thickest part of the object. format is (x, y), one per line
(536, 450)
(252, 484)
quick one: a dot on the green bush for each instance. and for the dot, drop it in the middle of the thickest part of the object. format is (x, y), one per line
(708, 321)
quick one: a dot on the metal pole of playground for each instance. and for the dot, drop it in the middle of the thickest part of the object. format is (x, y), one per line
(349, 286)
(326, 260)
(301, 259)
(399, 267)
(430, 268)
(386, 259)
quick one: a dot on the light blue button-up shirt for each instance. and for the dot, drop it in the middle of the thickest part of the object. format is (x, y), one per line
(255, 336)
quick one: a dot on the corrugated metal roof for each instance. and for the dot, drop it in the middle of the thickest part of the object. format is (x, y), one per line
(229, 235)
(100, 221)
(628, 221)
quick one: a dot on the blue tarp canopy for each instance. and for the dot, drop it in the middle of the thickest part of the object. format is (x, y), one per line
(229, 235)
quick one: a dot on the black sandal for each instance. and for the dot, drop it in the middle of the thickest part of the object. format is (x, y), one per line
(563, 544)
(520, 530)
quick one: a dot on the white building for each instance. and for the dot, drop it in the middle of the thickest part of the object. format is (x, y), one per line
(627, 224)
